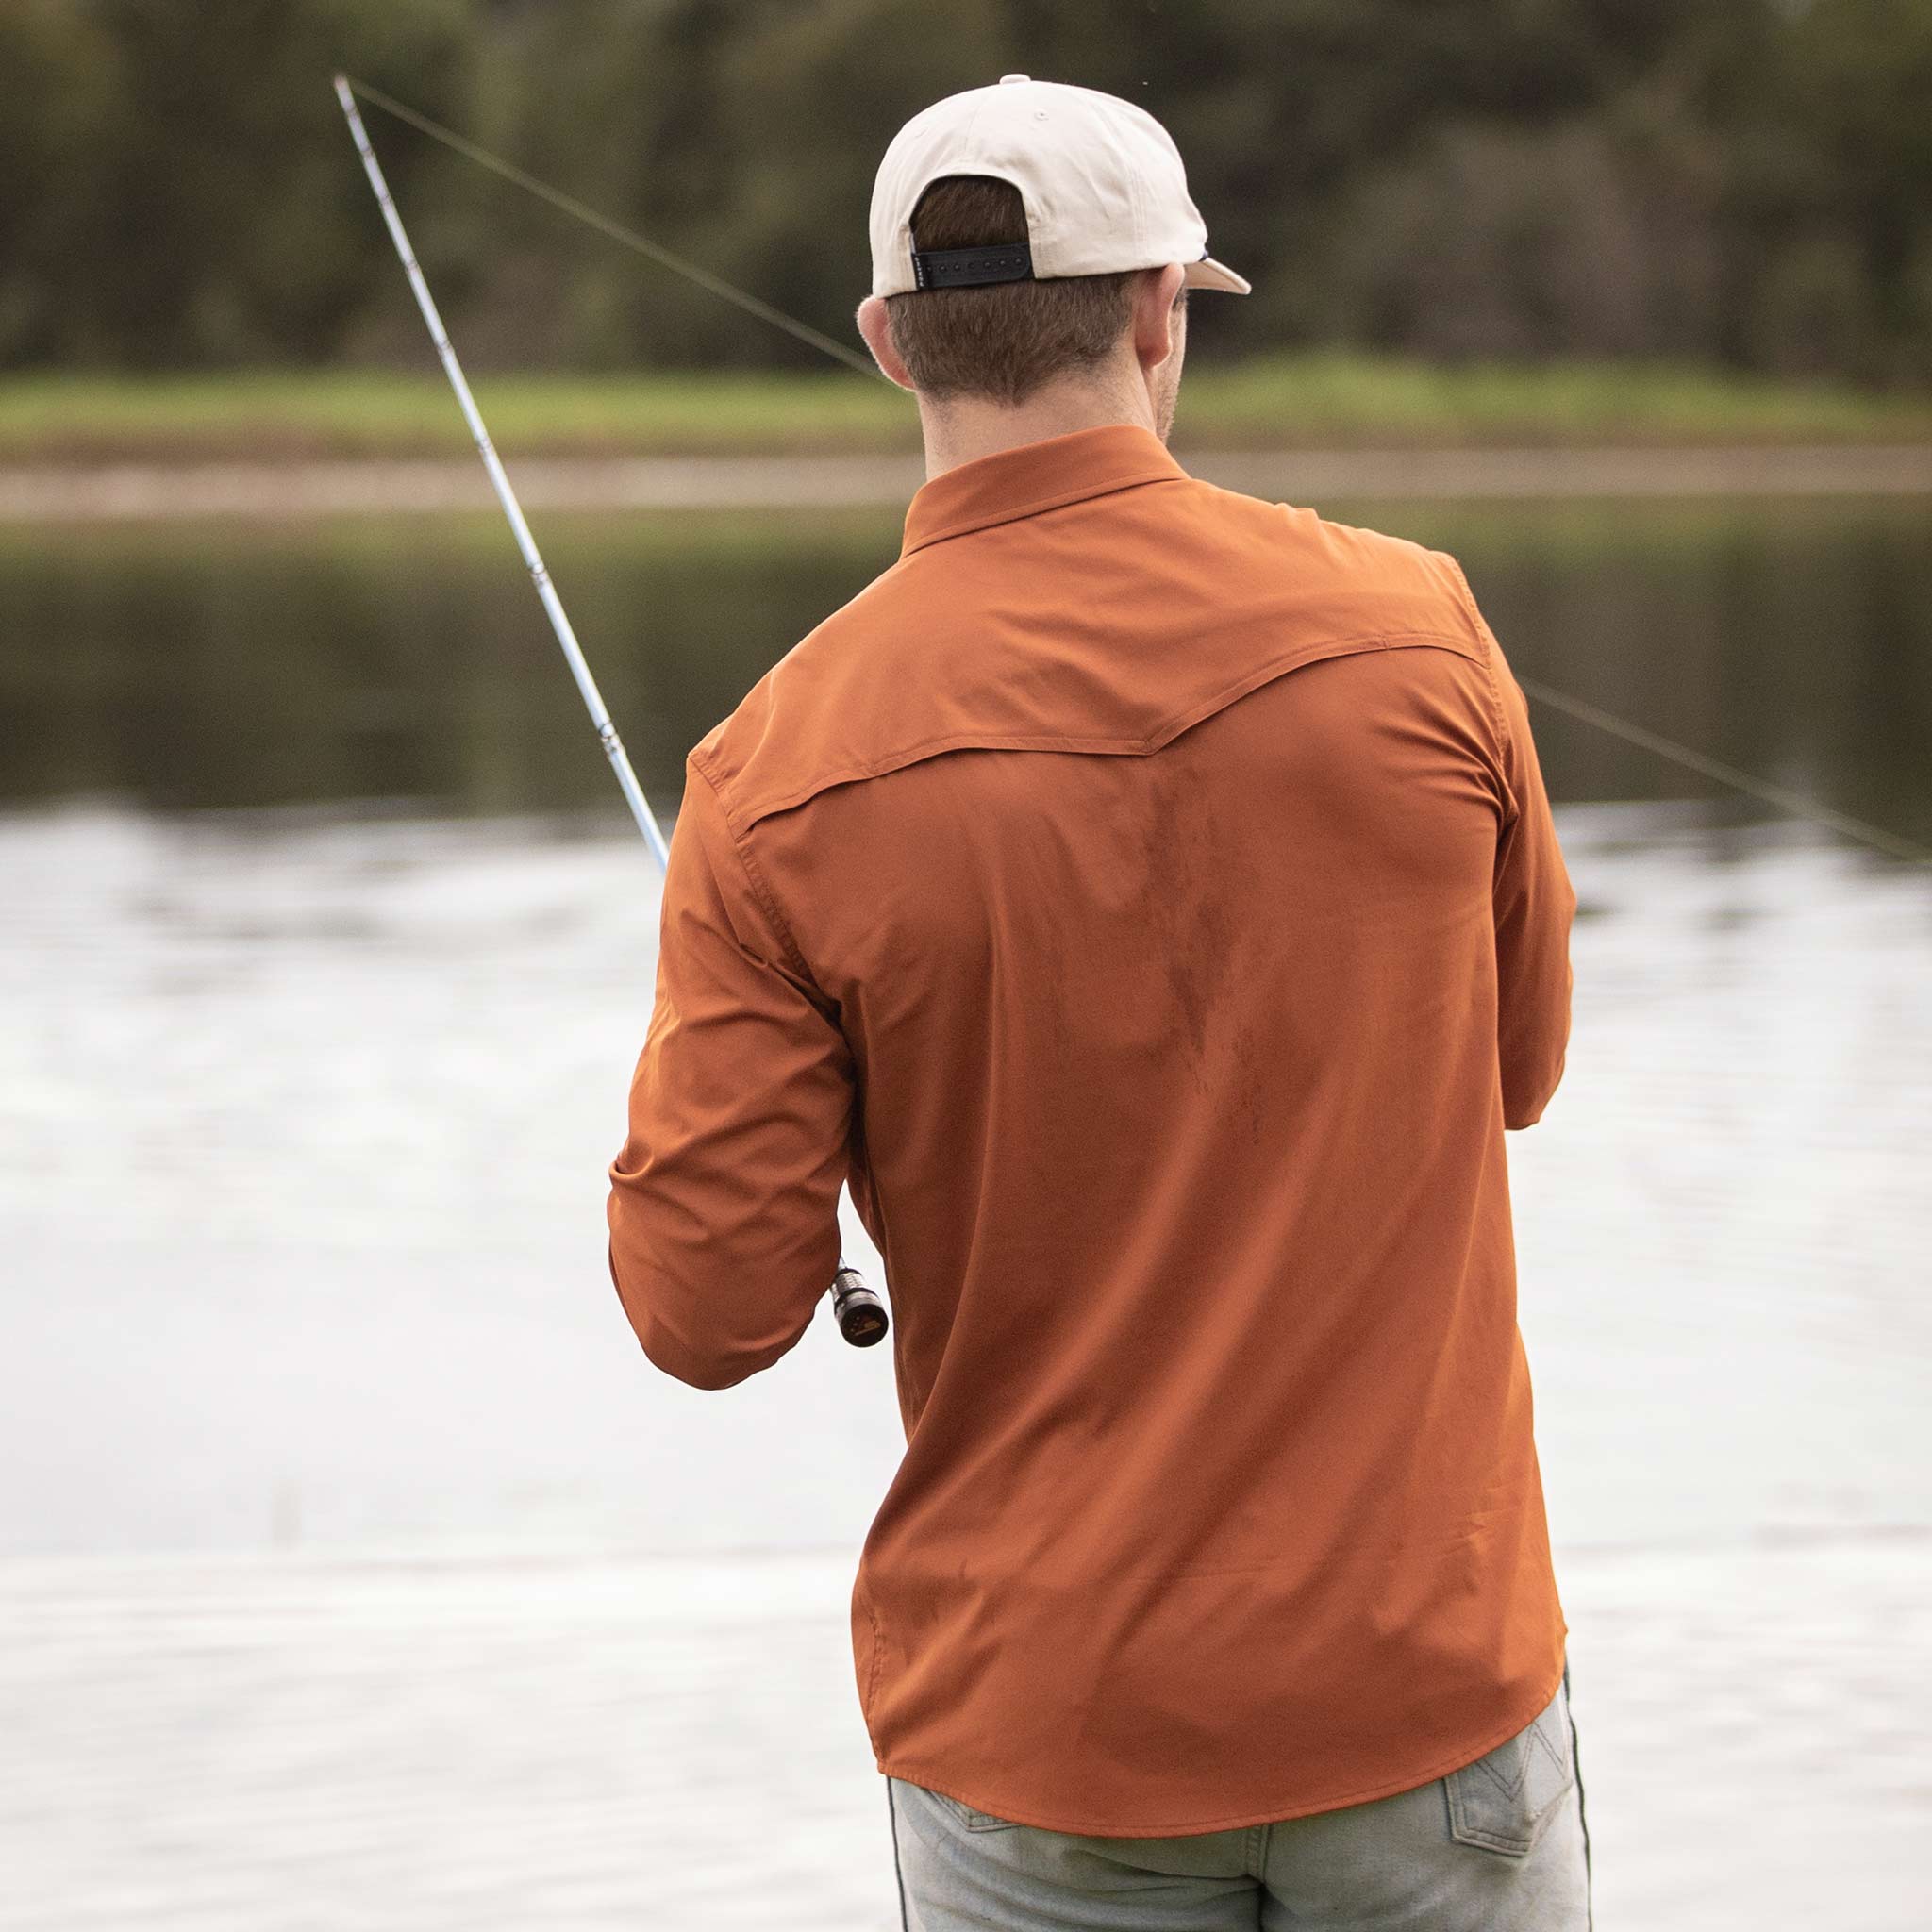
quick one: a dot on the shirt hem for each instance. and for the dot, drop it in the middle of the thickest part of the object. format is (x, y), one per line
(1271, 1814)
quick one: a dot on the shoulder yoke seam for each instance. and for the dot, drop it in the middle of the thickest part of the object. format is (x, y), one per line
(1160, 734)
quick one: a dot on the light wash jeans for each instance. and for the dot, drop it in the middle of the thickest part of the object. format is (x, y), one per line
(1498, 1846)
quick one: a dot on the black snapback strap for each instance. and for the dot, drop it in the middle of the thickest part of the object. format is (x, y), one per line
(966, 268)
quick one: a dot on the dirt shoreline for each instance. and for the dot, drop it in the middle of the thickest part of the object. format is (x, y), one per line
(297, 491)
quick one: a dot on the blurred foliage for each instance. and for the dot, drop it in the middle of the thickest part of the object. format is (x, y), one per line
(1744, 181)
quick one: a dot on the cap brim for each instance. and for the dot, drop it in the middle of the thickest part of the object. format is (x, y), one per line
(1209, 273)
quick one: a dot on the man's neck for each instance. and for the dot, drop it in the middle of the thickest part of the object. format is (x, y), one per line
(963, 431)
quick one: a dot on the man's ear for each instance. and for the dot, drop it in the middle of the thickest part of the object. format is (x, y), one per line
(1157, 318)
(876, 329)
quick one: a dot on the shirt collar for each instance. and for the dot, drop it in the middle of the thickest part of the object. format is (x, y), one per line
(1035, 476)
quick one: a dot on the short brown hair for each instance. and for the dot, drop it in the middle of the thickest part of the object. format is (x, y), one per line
(1001, 341)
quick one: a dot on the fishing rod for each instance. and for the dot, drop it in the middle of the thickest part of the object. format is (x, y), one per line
(861, 1316)
(1779, 798)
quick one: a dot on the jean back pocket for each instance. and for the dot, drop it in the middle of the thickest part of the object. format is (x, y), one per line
(1504, 1802)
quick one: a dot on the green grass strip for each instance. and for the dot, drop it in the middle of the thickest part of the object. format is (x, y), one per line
(1328, 400)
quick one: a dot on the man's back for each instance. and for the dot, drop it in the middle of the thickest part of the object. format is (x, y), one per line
(1154, 890)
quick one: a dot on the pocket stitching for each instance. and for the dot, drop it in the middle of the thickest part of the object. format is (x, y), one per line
(1462, 1826)
(1465, 1831)
(1558, 1763)
(1509, 1786)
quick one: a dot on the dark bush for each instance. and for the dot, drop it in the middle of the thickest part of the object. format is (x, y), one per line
(1749, 180)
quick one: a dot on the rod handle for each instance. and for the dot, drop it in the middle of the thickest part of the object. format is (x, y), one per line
(862, 1318)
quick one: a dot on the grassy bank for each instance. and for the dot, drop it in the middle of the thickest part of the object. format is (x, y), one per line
(1313, 401)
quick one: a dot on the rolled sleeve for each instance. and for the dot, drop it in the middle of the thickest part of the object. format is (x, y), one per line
(724, 1201)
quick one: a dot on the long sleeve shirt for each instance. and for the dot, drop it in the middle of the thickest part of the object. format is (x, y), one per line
(1147, 896)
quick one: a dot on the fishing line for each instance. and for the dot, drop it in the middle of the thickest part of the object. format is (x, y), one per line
(614, 230)
(1793, 803)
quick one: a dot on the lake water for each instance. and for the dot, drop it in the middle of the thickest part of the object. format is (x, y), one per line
(192, 667)
(355, 1569)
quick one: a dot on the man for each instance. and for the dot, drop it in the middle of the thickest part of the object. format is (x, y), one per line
(1148, 896)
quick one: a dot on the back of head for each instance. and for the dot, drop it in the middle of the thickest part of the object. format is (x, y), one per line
(1001, 342)
(1021, 233)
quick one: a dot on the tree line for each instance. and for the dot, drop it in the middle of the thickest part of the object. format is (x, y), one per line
(1746, 182)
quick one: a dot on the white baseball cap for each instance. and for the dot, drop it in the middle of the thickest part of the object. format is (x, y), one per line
(1100, 178)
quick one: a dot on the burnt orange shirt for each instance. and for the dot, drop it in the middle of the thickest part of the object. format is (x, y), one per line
(1148, 896)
